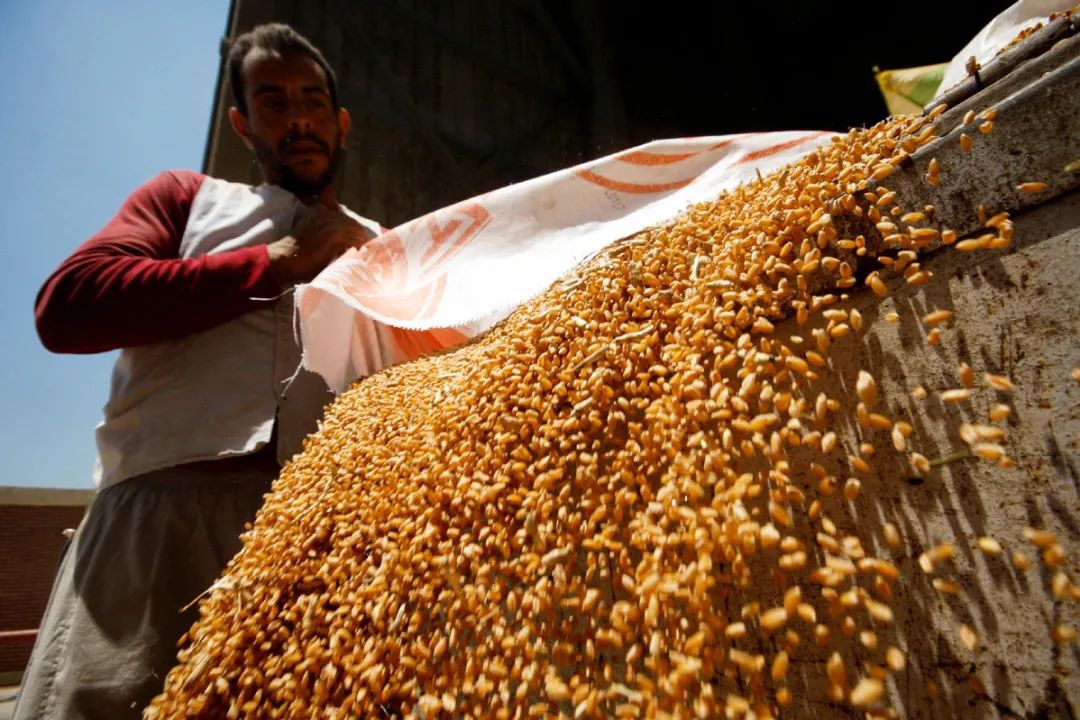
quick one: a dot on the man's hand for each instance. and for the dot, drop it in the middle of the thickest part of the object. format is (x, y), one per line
(320, 237)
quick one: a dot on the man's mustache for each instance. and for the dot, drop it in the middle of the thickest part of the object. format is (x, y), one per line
(306, 138)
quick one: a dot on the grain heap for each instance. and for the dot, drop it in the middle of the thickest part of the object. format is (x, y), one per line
(627, 500)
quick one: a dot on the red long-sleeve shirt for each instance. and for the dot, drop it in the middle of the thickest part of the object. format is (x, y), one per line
(127, 285)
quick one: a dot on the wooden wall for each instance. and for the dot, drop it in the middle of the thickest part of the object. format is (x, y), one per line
(449, 99)
(452, 98)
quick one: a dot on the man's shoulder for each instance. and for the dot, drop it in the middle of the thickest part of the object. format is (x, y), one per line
(172, 184)
(373, 225)
(192, 180)
(182, 175)
(229, 195)
(178, 177)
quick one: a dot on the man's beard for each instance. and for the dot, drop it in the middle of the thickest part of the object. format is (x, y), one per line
(279, 173)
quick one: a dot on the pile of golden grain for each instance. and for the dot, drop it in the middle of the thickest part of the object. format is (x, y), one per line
(620, 502)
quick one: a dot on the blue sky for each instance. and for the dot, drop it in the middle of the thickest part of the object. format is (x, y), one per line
(97, 97)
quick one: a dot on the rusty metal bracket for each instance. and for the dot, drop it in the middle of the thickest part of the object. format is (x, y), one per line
(17, 637)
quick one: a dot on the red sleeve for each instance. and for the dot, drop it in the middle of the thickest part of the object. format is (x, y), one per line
(127, 286)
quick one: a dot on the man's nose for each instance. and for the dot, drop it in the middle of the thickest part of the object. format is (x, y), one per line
(298, 117)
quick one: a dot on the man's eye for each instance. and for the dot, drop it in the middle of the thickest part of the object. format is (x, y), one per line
(317, 103)
(273, 104)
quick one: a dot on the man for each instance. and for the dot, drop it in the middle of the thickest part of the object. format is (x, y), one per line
(192, 280)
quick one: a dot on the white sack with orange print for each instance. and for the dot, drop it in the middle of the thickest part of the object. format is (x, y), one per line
(447, 276)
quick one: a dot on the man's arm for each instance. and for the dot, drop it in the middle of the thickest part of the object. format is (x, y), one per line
(127, 285)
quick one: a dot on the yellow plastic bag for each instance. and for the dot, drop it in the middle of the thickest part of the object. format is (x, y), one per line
(907, 90)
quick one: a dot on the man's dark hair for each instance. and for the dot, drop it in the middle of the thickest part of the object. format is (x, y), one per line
(279, 39)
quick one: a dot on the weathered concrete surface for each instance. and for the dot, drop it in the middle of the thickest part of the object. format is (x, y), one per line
(1035, 136)
(1017, 313)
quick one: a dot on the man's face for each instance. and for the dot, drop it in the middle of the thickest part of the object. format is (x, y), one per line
(291, 123)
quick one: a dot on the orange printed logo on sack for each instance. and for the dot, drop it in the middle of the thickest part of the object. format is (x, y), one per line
(390, 279)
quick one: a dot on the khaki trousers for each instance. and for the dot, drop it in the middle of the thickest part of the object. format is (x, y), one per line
(147, 548)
